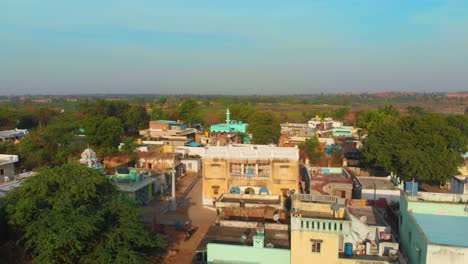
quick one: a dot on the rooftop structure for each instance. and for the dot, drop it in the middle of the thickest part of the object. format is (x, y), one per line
(323, 230)
(251, 152)
(89, 158)
(330, 181)
(459, 184)
(432, 227)
(374, 188)
(134, 186)
(231, 126)
(246, 245)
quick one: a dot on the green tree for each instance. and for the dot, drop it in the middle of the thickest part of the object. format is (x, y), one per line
(374, 118)
(188, 111)
(129, 148)
(104, 133)
(72, 214)
(312, 150)
(241, 112)
(265, 128)
(136, 118)
(421, 146)
(52, 144)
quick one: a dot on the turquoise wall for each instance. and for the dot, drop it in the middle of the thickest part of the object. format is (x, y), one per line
(415, 247)
(437, 208)
(224, 253)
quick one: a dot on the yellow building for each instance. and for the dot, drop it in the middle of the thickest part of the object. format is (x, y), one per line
(249, 169)
(321, 229)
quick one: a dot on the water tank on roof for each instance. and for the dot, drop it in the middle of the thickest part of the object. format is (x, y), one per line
(411, 188)
(348, 249)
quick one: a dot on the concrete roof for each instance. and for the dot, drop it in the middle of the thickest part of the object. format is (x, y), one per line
(232, 236)
(245, 151)
(7, 159)
(371, 216)
(443, 229)
(381, 183)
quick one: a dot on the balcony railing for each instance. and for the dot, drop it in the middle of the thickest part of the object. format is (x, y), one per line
(249, 176)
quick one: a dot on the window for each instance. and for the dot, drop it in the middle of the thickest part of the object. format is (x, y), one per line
(285, 192)
(2, 172)
(307, 224)
(316, 245)
(215, 190)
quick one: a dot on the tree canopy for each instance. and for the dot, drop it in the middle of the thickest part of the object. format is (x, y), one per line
(72, 214)
(265, 128)
(424, 146)
(311, 149)
(188, 111)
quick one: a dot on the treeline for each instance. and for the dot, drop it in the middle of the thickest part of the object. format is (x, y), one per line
(422, 145)
(56, 136)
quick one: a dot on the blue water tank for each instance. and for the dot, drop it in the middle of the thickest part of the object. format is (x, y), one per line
(348, 249)
(411, 188)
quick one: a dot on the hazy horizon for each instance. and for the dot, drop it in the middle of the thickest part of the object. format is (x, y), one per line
(232, 48)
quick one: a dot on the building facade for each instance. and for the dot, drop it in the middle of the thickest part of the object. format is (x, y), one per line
(249, 169)
(7, 167)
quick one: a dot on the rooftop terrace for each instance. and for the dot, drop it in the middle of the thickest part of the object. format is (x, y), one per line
(379, 183)
(232, 236)
(443, 229)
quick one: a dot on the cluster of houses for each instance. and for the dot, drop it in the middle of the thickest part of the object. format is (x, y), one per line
(274, 208)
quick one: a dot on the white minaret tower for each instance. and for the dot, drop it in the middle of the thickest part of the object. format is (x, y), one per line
(228, 120)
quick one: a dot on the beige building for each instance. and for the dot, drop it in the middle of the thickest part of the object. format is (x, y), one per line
(324, 231)
(249, 169)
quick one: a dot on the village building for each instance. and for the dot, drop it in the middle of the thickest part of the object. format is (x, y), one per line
(433, 227)
(375, 188)
(249, 169)
(134, 186)
(323, 230)
(7, 167)
(230, 132)
(160, 162)
(329, 181)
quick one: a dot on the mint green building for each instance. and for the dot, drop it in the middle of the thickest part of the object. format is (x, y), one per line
(224, 244)
(134, 186)
(231, 126)
(343, 131)
(433, 228)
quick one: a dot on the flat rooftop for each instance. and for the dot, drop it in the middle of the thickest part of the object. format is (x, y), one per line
(7, 159)
(368, 213)
(245, 151)
(232, 236)
(380, 183)
(443, 229)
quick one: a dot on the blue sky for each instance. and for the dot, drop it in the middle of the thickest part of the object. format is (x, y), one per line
(232, 47)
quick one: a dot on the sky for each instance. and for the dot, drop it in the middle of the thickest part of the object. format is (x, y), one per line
(232, 46)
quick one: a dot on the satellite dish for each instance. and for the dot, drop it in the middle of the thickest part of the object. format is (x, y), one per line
(276, 217)
(363, 219)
